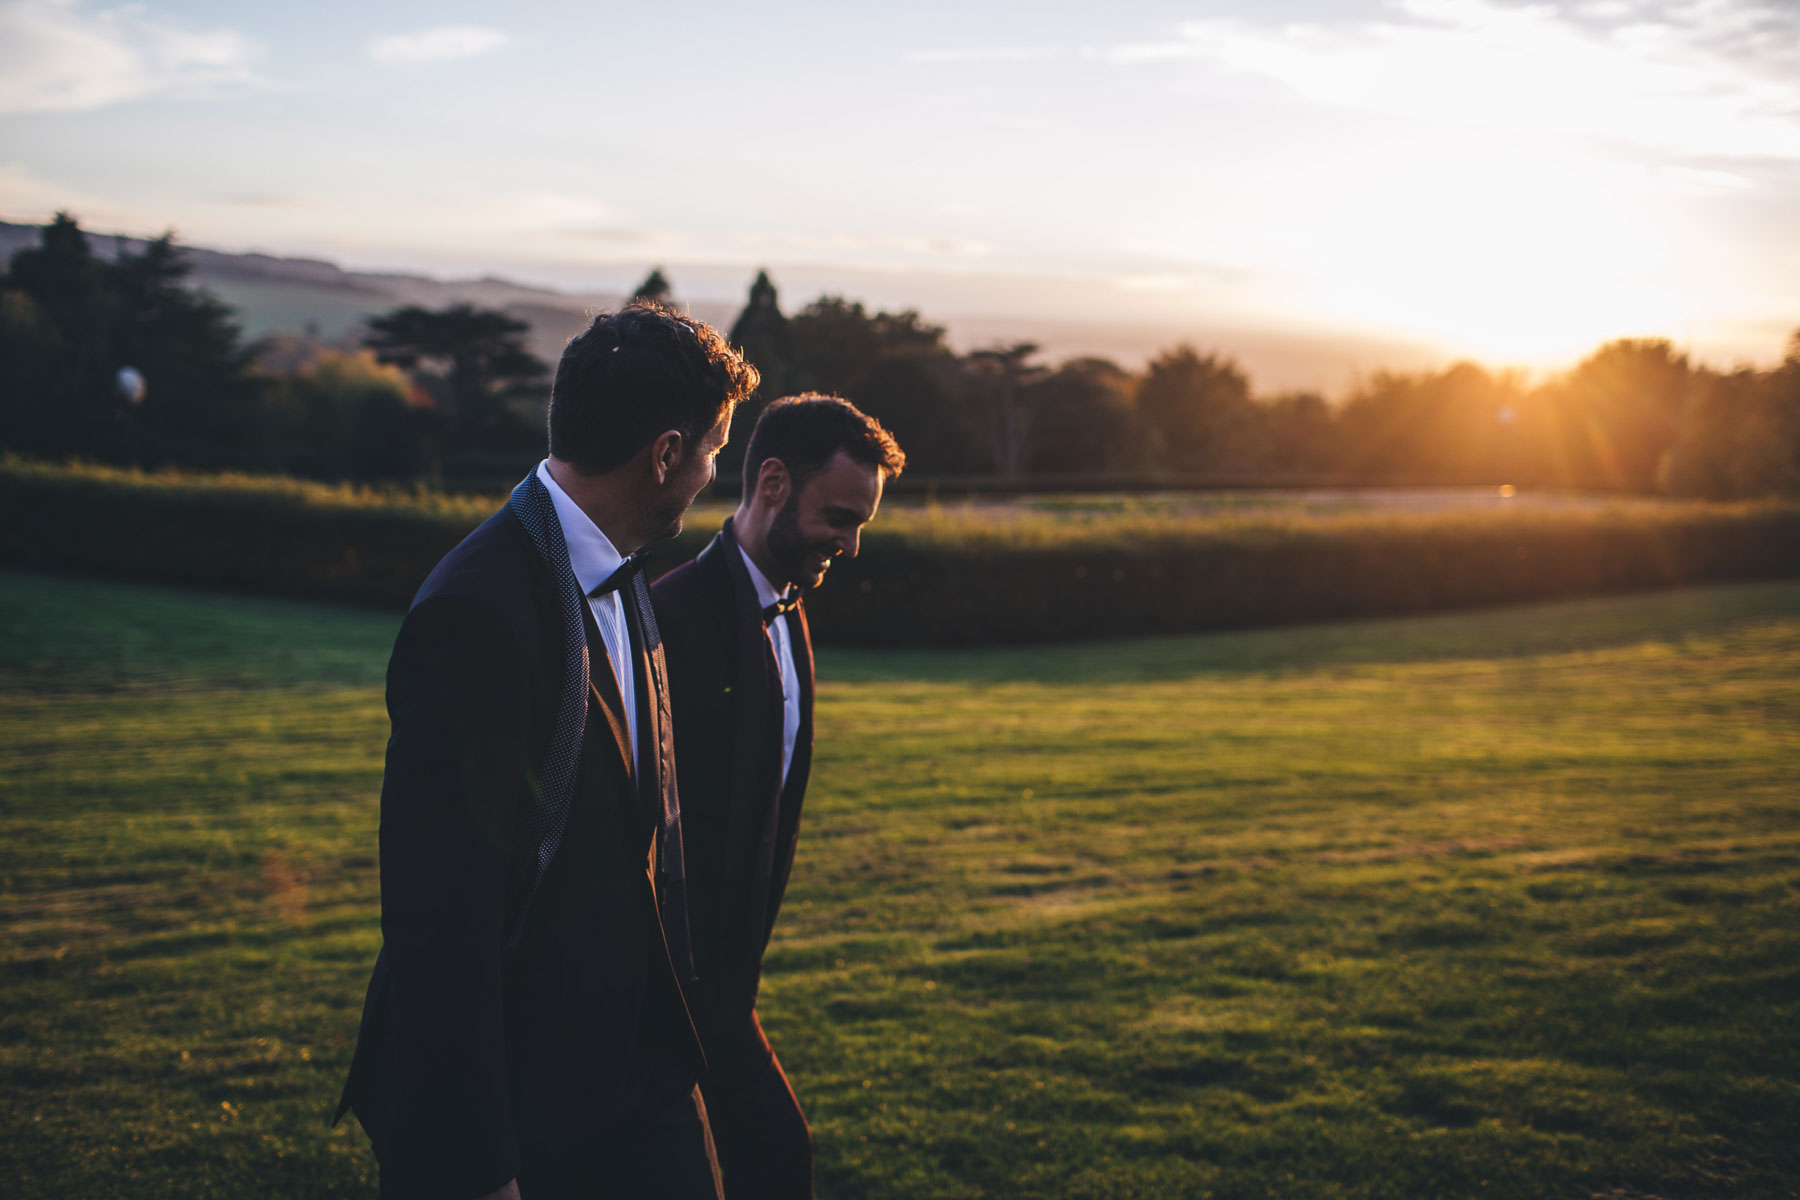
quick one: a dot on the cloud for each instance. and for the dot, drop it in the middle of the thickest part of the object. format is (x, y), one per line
(60, 56)
(1158, 282)
(543, 210)
(27, 199)
(1695, 78)
(987, 54)
(884, 247)
(608, 233)
(445, 44)
(263, 200)
(953, 247)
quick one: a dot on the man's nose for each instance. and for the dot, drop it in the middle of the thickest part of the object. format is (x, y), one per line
(850, 542)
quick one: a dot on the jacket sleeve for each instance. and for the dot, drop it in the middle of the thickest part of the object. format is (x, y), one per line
(457, 765)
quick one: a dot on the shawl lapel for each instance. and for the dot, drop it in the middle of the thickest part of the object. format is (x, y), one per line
(603, 687)
(756, 701)
(653, 726)
(787, 833)
(659, 802)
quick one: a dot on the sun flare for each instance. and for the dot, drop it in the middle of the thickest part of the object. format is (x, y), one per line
(1521, 260)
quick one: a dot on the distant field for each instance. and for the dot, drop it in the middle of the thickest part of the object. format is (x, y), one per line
(291, 307)
(1284, 501)
(1492, 904)
(1048, 518)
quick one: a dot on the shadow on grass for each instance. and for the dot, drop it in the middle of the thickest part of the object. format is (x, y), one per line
(76, 635)
(87, 635)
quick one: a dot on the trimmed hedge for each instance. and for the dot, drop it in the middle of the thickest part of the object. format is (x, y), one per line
(919, 582)
(902, 592)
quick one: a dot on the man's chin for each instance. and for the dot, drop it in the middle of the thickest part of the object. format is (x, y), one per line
(806, 572)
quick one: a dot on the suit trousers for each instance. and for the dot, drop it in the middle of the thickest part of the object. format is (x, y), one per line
(663, 1152)
(764, 1145)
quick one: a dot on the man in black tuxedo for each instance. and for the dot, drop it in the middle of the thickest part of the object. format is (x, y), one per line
(741, 683)
(526, 1031)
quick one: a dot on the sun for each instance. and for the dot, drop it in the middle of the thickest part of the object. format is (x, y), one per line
(1518, 258)
(1506, 266)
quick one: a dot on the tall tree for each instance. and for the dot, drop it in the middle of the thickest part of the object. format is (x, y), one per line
(1615, 417)
(57, 328)
(762, 336)
(1200, 406)
(1767, 462)
(656, 287)
(1302, 432)
(1740, 433)
(1457, 425)
(471, 361)
(838, 343)
(200, 405)
(1002, 379)
(896, 367)
(1086, 421)
(74, 321)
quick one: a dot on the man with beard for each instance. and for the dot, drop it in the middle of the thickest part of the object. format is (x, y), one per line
(526, 1030)
(741, 685)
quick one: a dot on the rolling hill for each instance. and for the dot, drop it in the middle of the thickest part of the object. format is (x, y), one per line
(322, 302)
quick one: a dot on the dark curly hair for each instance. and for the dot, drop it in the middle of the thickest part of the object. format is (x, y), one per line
(635, 373)
(805, 431)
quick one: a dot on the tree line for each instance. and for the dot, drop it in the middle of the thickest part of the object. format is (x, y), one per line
(122, 361)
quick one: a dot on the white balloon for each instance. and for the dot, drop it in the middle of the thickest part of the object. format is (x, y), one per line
(130, 382)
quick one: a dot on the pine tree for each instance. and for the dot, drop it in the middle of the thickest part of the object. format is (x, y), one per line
(73, 321)
(57, 322)
(656, 287)
(199, 404)
(761, 335)
(1005, 388)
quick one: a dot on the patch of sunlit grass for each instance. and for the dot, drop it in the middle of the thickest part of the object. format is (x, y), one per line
(1503, 903)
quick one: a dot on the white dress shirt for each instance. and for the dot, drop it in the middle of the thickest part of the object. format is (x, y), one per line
(784, 659)
(592, 556)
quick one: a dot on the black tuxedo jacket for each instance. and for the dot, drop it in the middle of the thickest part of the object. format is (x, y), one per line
(739, 823)
(468, 1044)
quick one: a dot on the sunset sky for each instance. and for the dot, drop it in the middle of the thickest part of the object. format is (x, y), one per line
(1513, 182)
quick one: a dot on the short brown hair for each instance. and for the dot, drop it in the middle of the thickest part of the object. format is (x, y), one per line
(634, 373)
(805, 431)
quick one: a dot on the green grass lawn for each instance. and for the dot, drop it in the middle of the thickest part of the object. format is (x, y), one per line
(1493, 904)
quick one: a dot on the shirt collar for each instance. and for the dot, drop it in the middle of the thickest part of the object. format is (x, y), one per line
(591, 553)
(765, 591)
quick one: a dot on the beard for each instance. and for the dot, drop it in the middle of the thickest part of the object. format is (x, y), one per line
(663, 515)
(663, 520)
(789, 547)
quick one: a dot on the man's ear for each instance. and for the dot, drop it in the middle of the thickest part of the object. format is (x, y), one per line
(665, 453)
(773, 482)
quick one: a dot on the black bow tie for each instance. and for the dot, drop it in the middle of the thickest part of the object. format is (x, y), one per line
(790, 600)
(620, 577)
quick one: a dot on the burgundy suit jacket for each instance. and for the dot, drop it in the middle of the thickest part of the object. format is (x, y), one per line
(740, 824)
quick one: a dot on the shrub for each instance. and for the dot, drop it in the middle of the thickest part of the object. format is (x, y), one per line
(927, 576)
